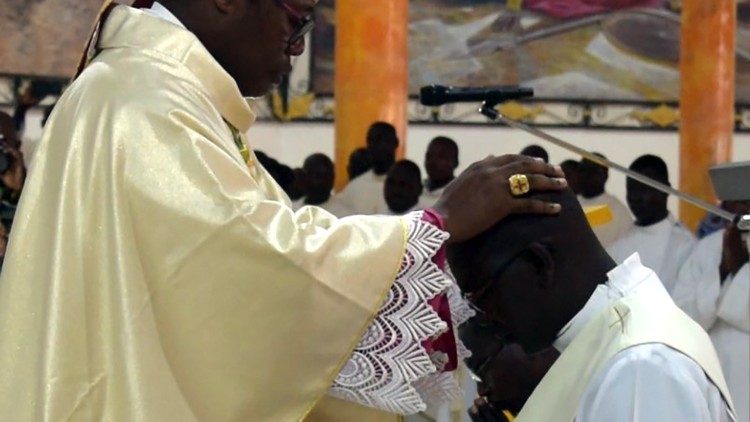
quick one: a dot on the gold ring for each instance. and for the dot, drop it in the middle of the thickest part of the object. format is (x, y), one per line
(519, 184)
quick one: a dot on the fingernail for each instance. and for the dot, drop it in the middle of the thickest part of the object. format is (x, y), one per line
(538, 159)
(561, 181)
(558, 169)
(555, 208)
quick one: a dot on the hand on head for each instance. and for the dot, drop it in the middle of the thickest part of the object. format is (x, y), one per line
(481, 195)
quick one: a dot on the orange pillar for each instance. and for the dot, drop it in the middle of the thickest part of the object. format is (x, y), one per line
(372, 73)
(707, 66)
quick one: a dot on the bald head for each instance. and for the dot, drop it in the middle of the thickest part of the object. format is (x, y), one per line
(532, 273)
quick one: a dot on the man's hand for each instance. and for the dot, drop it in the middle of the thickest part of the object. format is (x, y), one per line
(480, 196)
(483, 411)
(734, 253)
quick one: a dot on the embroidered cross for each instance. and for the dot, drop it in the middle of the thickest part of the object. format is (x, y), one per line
(620, 319)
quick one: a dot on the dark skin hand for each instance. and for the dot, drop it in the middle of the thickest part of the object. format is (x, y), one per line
(483, 411)
(481, 196)
(734, 253)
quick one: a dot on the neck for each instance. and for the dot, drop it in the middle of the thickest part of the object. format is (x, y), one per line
(585, 280)
(651, 221)
(317, 198)
(437, 184)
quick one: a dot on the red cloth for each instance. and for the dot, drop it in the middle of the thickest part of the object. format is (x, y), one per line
(446, 342)
(565, 9)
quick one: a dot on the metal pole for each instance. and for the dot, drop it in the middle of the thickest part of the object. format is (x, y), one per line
(743, 222)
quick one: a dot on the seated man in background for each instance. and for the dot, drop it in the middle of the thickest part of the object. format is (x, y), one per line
(661, 241)
(536, 151)
(713, 287)
(320, 174)
(359, 163)
(403, 186)
(507, 375)
(593, 179)
(627, 352)
(364, 195)
(440, 161)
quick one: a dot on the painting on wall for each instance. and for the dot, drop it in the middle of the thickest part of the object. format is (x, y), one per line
(44, 38)
(610, 50)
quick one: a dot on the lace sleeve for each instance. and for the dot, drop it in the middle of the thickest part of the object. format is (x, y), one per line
(390, 359)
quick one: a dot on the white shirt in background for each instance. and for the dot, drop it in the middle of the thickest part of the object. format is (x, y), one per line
(621, 220)
(723, 311)
(429, 198)
(663, 247)
(364, 195)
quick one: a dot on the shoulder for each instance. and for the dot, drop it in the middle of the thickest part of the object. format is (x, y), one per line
(133, 82)
(655, 369)
(651, 382)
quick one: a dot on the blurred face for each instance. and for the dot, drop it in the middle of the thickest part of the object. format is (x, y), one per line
(382, 152)
(440, 162)
(593, 177)
(251, 40)
(519, 297)
(572, 174)
(319, 177)
(402, 189)
(648, 205)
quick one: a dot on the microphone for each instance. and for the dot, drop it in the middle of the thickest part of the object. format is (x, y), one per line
(436, 95)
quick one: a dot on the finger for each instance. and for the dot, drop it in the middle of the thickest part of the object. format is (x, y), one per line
(474, 413)
(541, 183)
(536, 165)
(529, 166)
(534, 206)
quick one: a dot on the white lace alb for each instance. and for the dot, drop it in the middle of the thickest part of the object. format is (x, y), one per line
(390, 369)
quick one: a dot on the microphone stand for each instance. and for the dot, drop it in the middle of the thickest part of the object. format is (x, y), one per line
(741, 221)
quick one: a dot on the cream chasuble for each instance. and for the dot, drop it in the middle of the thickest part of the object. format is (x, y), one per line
(614, 346)
(153, 276)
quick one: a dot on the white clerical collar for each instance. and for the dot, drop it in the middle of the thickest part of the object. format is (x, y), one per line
(159, 11)
(622, 280)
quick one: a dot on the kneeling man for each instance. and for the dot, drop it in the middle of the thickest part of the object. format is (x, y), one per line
(627, 352)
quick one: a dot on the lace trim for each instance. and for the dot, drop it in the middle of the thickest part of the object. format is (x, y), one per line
(460, 312)
(445, 387)
(389, 361)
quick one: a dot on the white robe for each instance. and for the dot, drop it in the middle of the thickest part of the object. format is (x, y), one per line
(648, 382)
(429, 198)
(722, 309)
(364, 194)
(662, 246)
(621, 219)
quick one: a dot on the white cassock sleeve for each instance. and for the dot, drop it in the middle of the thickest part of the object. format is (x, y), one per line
(698, 285)
(652, 383)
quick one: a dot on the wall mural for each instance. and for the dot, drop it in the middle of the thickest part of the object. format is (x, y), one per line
(44, 38)
(592, 63)
(624, 50)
